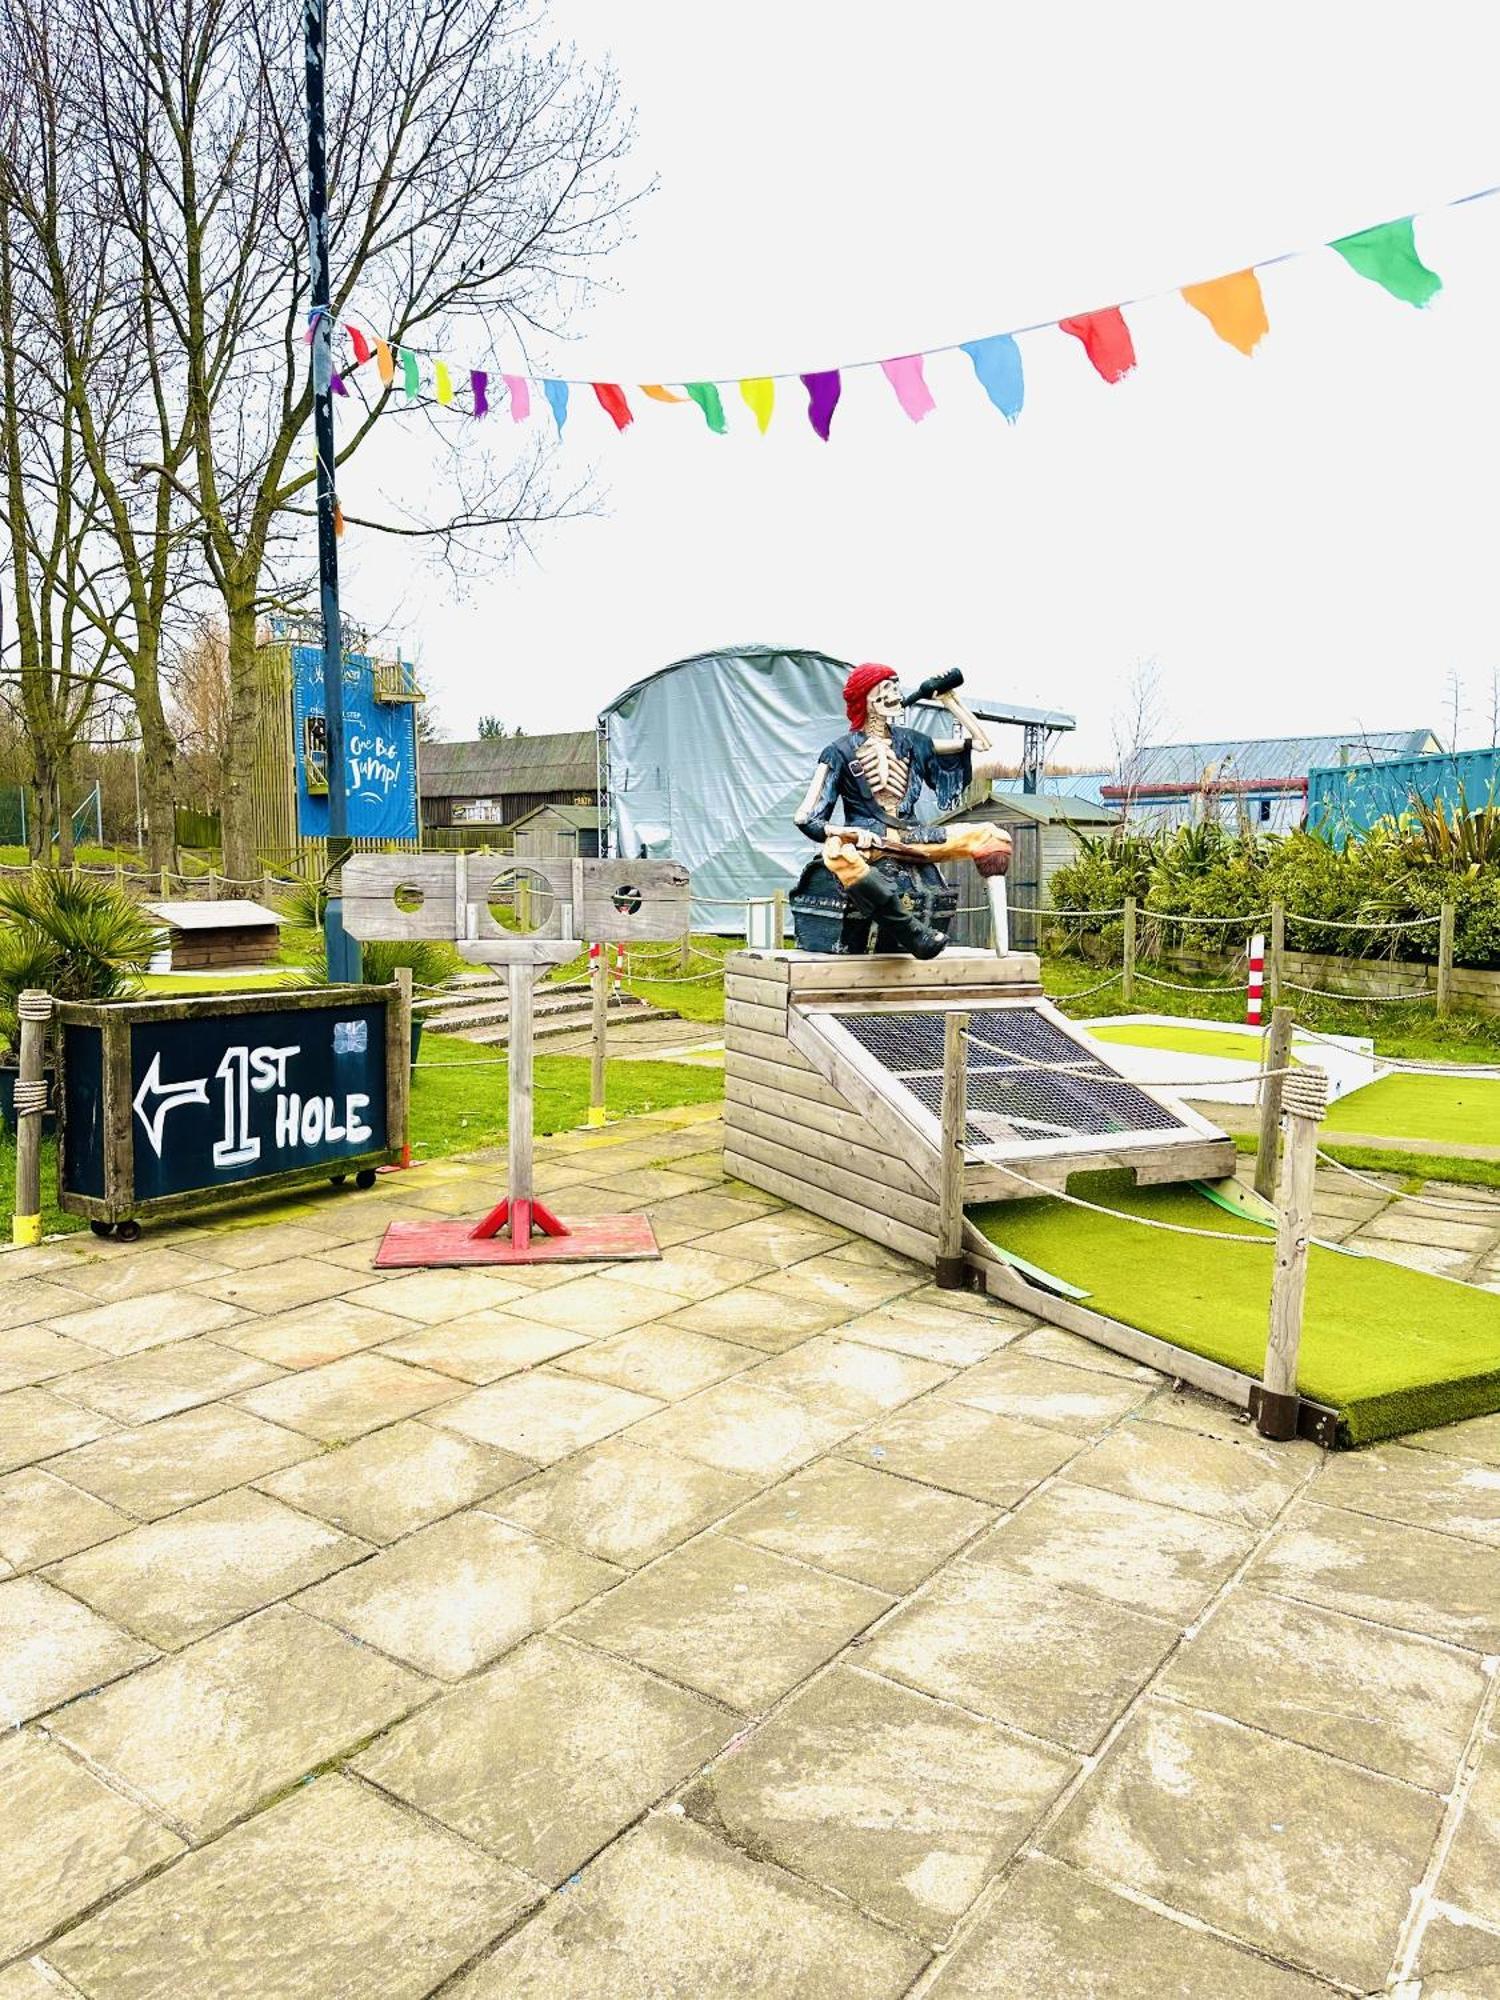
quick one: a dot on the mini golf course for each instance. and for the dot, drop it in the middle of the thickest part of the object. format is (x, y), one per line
(1391, 1349)
(1455, 1110)
(1186, 1038)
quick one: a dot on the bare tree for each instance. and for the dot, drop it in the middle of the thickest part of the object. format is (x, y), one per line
(472, 174)
(201, 708)
(1455, 709)
(1135, 725)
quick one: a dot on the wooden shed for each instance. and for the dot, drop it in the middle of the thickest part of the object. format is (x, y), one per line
(553, 830)
(1041, 826)
(218, 936)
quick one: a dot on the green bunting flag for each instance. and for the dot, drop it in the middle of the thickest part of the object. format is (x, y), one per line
(706, 396)
(1388, 256)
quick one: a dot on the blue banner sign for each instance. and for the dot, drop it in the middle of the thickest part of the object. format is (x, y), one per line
(380, 752)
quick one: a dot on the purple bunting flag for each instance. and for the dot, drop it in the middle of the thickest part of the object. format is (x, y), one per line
(479, 382)
(823, 391)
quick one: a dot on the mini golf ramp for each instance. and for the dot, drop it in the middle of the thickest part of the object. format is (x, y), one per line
(1385, 1349)
(832, 1092)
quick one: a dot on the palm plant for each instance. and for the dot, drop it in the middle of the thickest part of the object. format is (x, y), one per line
(1459, 838)
(71, 936)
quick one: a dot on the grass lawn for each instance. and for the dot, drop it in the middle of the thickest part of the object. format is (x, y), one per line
(1392, 1349)
(1188, 1039)
(218, 982)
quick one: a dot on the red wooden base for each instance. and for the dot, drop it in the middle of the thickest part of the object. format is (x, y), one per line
(594, 1239)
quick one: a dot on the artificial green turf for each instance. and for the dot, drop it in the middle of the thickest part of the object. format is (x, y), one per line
(1392, 1349)
(1182, 1038)
(1461, 1108)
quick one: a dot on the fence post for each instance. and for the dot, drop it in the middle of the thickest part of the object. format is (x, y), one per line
(950, 1272)
(1278, 949)
(35, 1011)
(213, 885)
(685, 954)
(1127, 974)
(778, 923)
(1278, 1054)
(403, 1001)
(599, 1029)
(166, 886)
(1306, 1101)
(1445, 958)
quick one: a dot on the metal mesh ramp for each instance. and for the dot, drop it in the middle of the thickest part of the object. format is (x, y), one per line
(1030, 1084)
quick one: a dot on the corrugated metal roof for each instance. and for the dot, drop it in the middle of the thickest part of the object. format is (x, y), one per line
(491, 766)
(1264, 758)
(1051, 809)
(985, 707)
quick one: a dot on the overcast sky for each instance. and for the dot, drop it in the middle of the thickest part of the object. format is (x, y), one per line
(1303, 541)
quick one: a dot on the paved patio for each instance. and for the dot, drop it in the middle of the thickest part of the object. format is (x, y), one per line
(761, 1622)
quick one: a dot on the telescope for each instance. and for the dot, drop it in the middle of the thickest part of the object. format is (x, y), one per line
(935, 685)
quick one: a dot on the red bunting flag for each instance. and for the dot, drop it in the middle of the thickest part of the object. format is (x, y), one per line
(612, 402)
(1106, 341)
(361, 346)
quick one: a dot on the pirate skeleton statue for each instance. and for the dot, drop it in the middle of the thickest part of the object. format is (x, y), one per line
(876, 885)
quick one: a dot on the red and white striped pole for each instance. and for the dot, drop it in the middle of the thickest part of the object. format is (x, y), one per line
(1256, 984)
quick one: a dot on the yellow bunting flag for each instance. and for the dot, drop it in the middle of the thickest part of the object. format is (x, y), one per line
(660, 395)
(759, 391)
(1234, 309)
(384, 362)
(443, 381)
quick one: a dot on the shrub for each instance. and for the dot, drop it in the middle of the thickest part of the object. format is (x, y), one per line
(72, 936)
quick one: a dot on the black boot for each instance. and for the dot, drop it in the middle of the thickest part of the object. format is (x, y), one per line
(876, 896)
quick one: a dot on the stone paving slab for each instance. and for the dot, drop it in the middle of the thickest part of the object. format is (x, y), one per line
(334, 1891)
(1246, 1832)
(924, 1650)
(548, 1755)
(903, 1804)
(672, 1914)
(221, 1727)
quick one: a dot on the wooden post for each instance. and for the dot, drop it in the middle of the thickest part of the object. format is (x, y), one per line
(1445, 958)
(35, 1011)
(403, 1007)
(950, 1274)
(1306, 1101)
(685, 954)
(599, 982)
(519, 1190)
(1127, 975)
(213, 885)
(1278, 1054)
(166, 885)
(1274, 967)
(778, 925)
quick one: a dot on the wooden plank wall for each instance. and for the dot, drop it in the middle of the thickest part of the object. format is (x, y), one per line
(790, 1132)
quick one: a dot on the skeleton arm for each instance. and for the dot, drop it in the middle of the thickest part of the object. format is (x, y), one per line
(811, 817)
(986, 758)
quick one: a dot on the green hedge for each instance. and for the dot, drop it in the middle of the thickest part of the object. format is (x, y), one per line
(1211, 871)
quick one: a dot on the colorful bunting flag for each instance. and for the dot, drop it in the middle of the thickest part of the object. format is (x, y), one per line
(706, 396)
(997, 363)
(1233, 307)
(1388, 256)
(612, 402)
(905, 376)
(824, 388)
(759, 392)
(1106, 341)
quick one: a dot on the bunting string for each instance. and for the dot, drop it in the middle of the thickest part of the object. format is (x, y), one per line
(1233, 305)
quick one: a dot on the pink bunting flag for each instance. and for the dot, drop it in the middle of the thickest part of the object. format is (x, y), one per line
(519, 391)
(1106, 341)
(905, 376)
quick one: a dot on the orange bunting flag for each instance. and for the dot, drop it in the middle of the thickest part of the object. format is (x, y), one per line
(759, 391)
(360, 345)
(442, 381)
(338, 518)
(384, 362)
(660, 395)
(1233, 307)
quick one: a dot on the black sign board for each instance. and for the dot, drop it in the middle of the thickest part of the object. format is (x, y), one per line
(166, 1102)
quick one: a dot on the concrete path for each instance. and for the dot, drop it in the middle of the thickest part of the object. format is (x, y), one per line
(759, 1622)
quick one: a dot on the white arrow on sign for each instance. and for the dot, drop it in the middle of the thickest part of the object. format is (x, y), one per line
(164, 1097)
